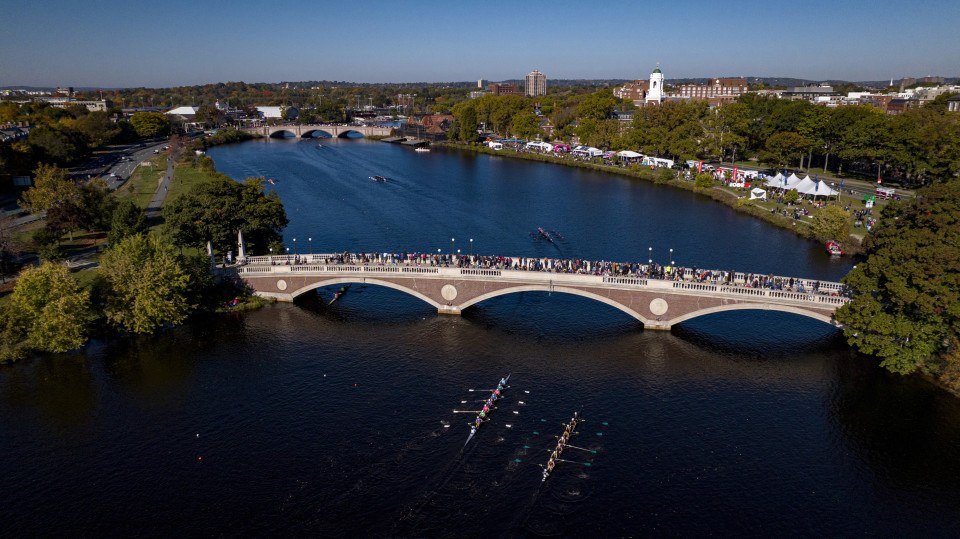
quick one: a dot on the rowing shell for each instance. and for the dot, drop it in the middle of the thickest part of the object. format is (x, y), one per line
(572, 425)
(476, 425)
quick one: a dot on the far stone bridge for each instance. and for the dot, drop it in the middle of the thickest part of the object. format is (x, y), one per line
(657, 303)
(309, 130)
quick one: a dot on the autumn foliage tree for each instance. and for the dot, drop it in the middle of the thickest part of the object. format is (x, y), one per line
(906, 304)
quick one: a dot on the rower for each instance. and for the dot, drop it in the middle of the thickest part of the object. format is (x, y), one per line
(486, 408)
(550, 465)
(482, 415)
(553, 455)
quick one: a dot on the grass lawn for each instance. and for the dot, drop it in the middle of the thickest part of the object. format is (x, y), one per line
(143, 182)
(186, 176)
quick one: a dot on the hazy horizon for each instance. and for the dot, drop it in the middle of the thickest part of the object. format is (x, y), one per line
(109, 44)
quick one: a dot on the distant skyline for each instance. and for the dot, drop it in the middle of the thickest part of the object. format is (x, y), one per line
(108, 43)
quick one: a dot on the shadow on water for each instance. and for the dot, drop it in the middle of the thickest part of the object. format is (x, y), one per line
(759, 334)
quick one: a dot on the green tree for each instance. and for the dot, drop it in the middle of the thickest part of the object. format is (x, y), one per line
(525, 125)
(57, 145)
(217, 210)
(98, 129)
(127, 220)
(51, 188)
(150, 124)
(906, 304)
(146, 284)
(55, 312)
(783, 146)
(831, 223)
(466, 116)
(13, 334)
(597, 106)
(703, 181)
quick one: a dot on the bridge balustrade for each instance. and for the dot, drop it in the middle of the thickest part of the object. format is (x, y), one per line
(486, 272)
(625, 280)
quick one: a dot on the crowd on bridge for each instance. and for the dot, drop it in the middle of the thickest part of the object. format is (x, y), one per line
(637, 270)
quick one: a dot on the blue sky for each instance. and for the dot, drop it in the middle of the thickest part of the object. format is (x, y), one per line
(168, 43)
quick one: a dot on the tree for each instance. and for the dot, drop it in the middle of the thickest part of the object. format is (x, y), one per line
(831, 223)
(525, 125)
(466, 116)
(127, 220)
(906, 295)
(146, 284)
(783, 146)
(217, 210)
(51, 188)
(56, 145)
(13, 334)
(150, 124)
(597, 106)
(703, 181)
(54, 311)
(98, 129)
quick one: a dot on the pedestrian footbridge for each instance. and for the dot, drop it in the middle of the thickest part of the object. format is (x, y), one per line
(453, 285)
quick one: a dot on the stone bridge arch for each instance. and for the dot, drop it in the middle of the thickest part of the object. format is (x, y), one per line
(558, 289)
(366, 280)
(827, 319)
(282, 133)
(312, 132)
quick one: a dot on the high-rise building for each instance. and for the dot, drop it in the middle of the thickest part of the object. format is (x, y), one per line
(482, 83)
(536, 84)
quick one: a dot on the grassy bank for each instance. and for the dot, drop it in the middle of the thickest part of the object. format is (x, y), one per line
(143, 183)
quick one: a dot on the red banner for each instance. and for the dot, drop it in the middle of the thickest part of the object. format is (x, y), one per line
(699, 167)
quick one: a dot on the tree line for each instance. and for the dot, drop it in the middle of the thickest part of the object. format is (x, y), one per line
(146, 280)
(917, 147)
(66, 136)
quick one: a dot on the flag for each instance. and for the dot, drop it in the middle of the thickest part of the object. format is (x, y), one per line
(699, 167)
(841, 184)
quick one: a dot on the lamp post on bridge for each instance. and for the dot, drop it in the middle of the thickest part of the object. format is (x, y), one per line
(310, 240)
(452, 241)
(672, 263)
(471, 248)
(294, 245)
(649, 255)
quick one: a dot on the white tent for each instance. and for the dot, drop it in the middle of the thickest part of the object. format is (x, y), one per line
(805, 187)
(792, 181)
(756, 193)
(627, 154)
(824, 190)
(776, 181)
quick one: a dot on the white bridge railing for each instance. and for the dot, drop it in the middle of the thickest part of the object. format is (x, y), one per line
(825, 296)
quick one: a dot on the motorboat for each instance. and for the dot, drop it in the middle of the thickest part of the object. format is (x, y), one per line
(833, 247)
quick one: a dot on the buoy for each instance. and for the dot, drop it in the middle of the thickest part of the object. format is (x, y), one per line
(199, 458)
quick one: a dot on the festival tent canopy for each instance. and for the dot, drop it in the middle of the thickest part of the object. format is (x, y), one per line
(805, 187)
(824, 190)
(776, 181)
(756, 192)
(792, 181)
(629, 154)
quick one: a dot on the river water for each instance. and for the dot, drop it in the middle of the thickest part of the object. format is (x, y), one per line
(336, 420)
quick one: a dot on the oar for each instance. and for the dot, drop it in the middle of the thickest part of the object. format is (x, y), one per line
(467, 411)
(594, 451)
(574, 462)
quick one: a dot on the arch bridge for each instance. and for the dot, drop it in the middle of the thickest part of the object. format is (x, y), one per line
(657, 303)
(308, 130)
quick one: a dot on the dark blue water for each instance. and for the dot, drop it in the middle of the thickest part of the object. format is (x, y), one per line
(336, 420)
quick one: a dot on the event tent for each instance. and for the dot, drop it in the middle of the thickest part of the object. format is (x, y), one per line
(805, 187)
(776, 181)
(756, 193)
(629, 154)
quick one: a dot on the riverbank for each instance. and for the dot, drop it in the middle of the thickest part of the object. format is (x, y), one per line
(737, 198)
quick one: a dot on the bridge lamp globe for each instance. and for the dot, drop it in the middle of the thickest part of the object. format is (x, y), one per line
(671, 258)
(311, 244)
(471, 247)
(649, 254)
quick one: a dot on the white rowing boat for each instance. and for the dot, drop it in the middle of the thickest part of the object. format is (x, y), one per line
(571, 426)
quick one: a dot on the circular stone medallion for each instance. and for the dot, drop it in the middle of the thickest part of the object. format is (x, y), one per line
(449, 292)
(658, 306)
(281, 285)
